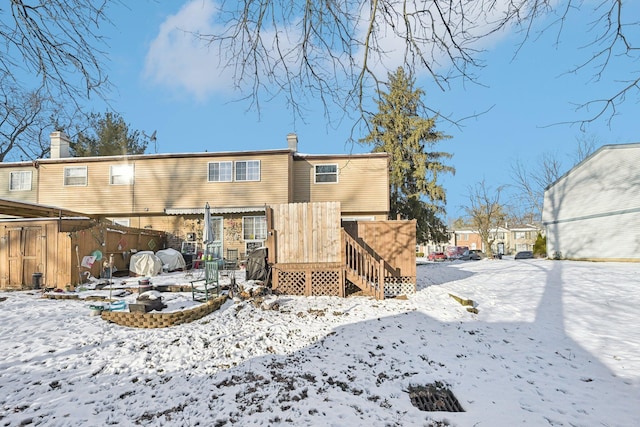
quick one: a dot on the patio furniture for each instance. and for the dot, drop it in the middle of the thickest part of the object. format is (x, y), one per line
(231, 261)
(205, 288)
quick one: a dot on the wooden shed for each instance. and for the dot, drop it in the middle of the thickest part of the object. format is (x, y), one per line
(314, 253)
(55, 248)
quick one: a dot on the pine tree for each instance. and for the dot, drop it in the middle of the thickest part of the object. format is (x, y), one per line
(398, 129)
(108, 135)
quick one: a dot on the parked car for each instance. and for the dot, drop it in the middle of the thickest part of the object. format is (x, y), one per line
(524, 255)
(457, 252)
(475, 254)
(437, 256)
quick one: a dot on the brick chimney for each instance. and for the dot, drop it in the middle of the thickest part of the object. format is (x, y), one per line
(292, 142)
(59, 145)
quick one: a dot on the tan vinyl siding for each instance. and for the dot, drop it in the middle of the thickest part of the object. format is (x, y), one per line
(98, 196)
(362, 186)
(166, 182)
(30, 196)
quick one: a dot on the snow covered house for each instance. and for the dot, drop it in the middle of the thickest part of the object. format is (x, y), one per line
(307, 209)
(593, 211)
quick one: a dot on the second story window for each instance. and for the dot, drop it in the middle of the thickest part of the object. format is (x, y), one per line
(20, 181)
(220, 171)
(75, 176)
(248, 170)
(326, 174)
(121, 175)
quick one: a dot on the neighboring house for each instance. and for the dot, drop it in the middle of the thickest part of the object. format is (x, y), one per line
(168, 192)
(500, 241)
(593, 211)
(523, 237)
(469, 238)
(506, 240)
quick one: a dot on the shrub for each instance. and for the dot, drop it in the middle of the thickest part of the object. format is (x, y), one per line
(540, 246)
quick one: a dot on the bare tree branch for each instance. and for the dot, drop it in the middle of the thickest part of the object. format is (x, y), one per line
(54, 43)
(339, 51)
(24, 116)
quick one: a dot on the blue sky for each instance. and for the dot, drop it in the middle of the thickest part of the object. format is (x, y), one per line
(172, 87)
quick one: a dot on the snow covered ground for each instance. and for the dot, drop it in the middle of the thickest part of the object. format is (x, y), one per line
(554, 343)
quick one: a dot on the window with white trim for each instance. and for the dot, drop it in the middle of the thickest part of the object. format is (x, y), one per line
(220, 171)
(20, 181)
(121, 175)
(326, 174)
(75, 176)
(248, 170)
(254, 228)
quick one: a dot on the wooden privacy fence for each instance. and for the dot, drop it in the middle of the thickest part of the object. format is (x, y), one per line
(306, 233)
(55, 248)
(312, 254)
(393, 244)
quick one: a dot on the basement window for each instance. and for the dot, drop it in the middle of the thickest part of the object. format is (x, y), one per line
(434, 398)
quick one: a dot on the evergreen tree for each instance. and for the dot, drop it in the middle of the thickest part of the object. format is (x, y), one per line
(398, 129)
(540, 246)
(107, 135)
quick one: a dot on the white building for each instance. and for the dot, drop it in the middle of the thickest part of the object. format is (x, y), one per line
(593, 211)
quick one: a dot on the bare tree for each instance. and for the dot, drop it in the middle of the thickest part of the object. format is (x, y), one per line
(54, 43)
(530, 182)
(336, 50)
(24, 117)
(485, 212)
(586, 145)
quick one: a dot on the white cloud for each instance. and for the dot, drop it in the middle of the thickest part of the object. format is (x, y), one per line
(178, 59)
(479, 20)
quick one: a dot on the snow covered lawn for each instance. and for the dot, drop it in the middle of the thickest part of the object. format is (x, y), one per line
(554, 343)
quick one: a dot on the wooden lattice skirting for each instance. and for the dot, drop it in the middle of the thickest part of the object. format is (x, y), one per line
(395, 286)
(310, 279)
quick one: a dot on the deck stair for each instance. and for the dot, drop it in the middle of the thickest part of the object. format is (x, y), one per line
(363, 267)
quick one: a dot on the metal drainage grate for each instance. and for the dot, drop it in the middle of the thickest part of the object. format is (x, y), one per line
(434, 397)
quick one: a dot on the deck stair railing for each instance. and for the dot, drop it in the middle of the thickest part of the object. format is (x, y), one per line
(363, 268)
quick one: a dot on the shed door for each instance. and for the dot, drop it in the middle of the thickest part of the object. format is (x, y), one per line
(24, 253)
